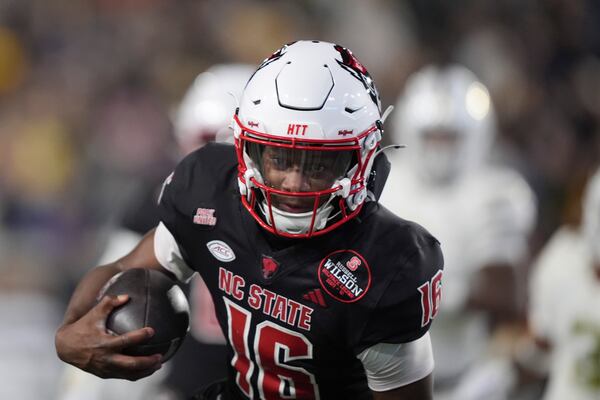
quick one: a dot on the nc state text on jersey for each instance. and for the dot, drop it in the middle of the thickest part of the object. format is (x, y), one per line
(276, 306)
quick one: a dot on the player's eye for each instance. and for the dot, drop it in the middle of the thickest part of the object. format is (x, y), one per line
(279, 163)
(317, 170)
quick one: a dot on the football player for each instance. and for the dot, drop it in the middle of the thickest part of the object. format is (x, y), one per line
(481, 212)
(322, 292)
(563, 311)
(204, 115)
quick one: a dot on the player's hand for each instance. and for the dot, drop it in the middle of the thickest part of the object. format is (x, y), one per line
(87, 344)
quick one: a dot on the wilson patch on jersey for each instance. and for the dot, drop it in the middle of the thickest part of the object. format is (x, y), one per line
(345, 275)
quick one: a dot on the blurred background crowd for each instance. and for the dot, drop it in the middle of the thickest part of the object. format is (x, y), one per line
(88, 91)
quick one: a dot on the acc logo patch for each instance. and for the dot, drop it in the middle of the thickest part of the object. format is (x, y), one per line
(221, 250)
(345, 275)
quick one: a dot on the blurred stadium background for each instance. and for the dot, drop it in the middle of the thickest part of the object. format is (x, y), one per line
(87, 90)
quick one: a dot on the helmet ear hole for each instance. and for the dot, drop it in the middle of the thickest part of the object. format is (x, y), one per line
(372, 140)
(357, 199)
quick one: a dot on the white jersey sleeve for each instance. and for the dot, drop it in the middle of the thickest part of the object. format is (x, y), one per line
(168, 254)
(390, 366)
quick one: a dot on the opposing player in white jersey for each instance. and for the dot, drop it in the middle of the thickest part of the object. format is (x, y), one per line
(481, 213)
(203, 116)
(564, 306)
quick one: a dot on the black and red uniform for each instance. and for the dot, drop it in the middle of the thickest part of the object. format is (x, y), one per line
(297, 312)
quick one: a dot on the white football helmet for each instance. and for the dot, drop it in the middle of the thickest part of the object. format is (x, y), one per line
(591, 215)
(310, 113)
(446, 118)
(205, 111)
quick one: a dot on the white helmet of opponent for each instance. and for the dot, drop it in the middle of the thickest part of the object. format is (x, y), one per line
(316, 99)
(591, 215)
(446, 118)
(205, 112)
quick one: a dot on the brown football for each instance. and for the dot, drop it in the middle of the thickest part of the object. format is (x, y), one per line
(155, 300)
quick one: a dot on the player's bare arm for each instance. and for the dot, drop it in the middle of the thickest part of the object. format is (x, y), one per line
(82, 339)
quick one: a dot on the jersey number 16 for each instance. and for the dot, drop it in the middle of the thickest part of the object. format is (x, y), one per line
(273, 348)
(431, 294)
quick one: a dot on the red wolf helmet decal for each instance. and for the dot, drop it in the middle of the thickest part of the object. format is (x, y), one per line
(351, 64)
(275, 56)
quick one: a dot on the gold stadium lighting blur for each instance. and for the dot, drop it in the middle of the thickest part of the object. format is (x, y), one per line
(477, 101)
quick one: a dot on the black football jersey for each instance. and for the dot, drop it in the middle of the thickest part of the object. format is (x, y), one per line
(297, 312)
